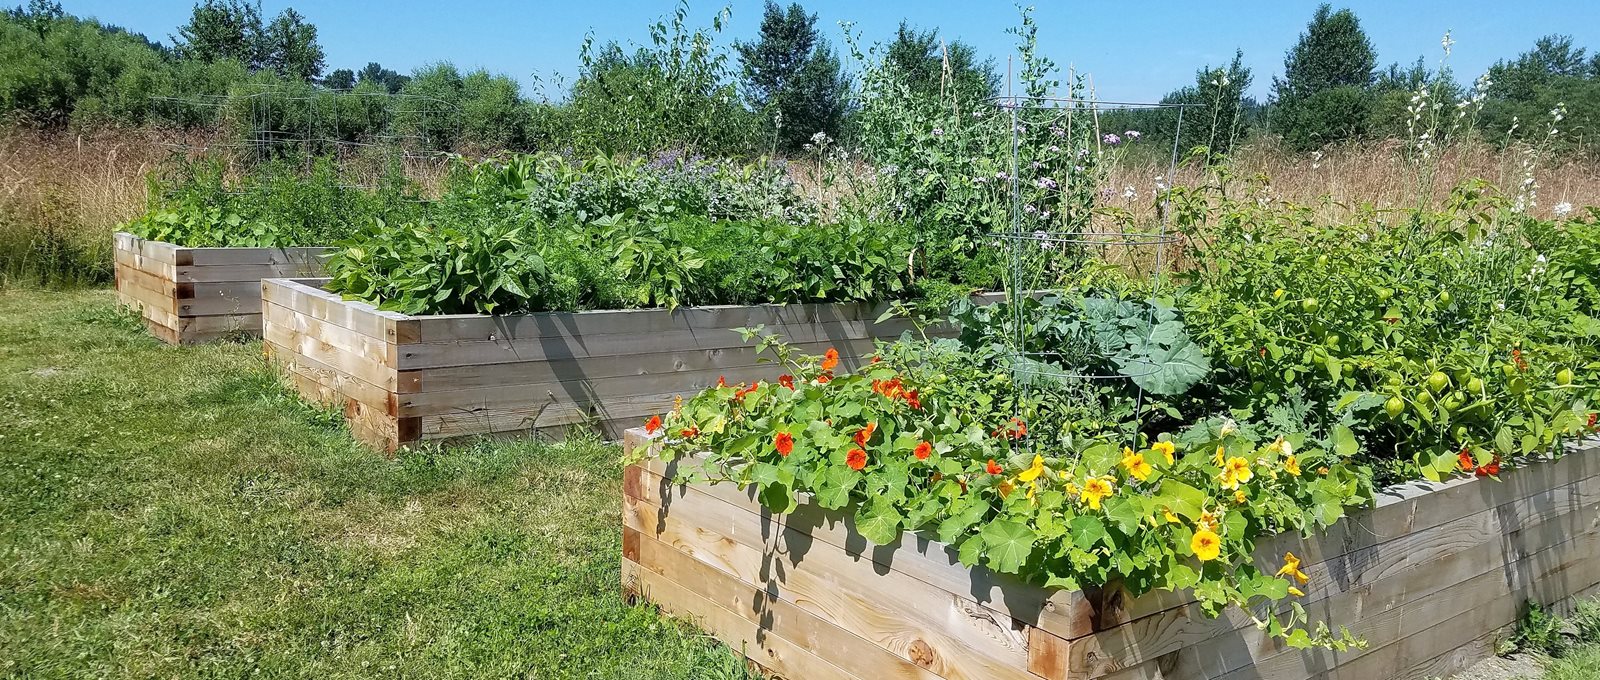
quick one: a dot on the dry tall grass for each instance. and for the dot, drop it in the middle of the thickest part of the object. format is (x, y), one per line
(1344, 178)
(63, 193)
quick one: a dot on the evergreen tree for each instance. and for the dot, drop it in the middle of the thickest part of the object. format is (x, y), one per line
(1324, 95)
(340, 79)
(387, 79)
(793, 76)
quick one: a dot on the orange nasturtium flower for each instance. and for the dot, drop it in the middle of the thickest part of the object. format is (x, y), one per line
(786, 380)
(923, 450)
(690, 432)
(1465, 460)
(653, 424)
(993, 468)
(1096, 488)
(1165, 449)
(830, 359)
(1136, 465)
(856, 459)
(1291, 567)
(824, 379)
(864, 434)
(784, 443)
(1206, 544)
(1235, 472)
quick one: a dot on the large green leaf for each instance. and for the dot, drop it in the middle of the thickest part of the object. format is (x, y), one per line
(1009, 544)
(879, 521)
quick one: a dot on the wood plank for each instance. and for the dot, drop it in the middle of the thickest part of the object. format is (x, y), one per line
(944, 632)
(156, 251)
(331, 385)
(631, 410)
(211, 299)
(918, 557)
(244, 272)
(514, 350)
(1352, 578)
(770, 650)
(299, 257)
(361, 356)
(304, 297)
(583, 392)
(826, 634)
(730, 361)
(134, 260)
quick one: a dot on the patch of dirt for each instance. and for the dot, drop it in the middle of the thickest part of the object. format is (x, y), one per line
(1514, 667)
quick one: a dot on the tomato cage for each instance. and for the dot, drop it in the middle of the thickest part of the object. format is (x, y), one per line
(1084, 261)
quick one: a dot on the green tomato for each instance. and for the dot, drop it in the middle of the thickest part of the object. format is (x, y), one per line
(1461, 434)
(1322, 260)
(1308, 305)
(1518, 385)
(1444, 297)
(1438, 381)
(1475, 386)
(1333, 339)
(1385, 293)
(1394, 407)
(1564, 377)
(1422, 397)
(1509, 370)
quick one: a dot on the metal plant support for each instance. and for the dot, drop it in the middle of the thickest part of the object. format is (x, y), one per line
(1034, 235)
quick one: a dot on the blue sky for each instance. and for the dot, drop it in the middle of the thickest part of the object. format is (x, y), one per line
(1135, 51)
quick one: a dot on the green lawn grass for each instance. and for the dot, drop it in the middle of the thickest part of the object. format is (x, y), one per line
(173, 512)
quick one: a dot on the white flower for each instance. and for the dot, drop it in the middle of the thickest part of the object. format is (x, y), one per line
(1229, 427)
(1562, 209)
(1128, 192)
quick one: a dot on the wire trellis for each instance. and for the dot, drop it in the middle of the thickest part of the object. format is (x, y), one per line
(274, 121)
(1037, 235)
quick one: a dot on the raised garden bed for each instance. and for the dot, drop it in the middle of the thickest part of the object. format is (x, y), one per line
(1431, 577)
(195, 295)
(402, 379)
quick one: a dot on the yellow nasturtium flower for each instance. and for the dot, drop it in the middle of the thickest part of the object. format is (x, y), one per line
(1291, 567)
(1235, 472)
(1033, 471)
(1166, 514)
(1095, 489)
(1239, 497)
(1291, 465)
(1206, 544)
(1165, 449)
(1296, 592)
(1221, 456)
(1207, 521)
(1137, 467)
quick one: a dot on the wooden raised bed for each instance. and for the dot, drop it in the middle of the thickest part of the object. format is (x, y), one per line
(402, 379)
(1431, 577)
(194, 295)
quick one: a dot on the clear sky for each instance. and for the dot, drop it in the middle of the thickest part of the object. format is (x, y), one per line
(1134, 50)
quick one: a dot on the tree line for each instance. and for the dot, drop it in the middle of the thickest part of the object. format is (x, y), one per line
(233, 67)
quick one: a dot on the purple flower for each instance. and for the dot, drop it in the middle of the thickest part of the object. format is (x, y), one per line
(1057, 131)
(1131, 135)
(1046, 183)
(1111, 139)
(1001, 175)
(1055, 149)
(938, 132)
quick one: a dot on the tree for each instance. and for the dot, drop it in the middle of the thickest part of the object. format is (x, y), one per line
(929, 67)
(340, 79)
(233, 30)
(793, 76)
(1323, 96)
(1553, 57)
(222, 29)
(376, 74)
(290, 47)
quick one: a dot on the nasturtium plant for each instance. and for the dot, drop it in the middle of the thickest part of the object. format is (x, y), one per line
(903, 445)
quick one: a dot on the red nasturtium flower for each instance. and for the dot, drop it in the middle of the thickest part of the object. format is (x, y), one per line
(745, 390)
(856, 459)
(690, 433)
(916, 403)
(1263, 352)
(784, 443)
(923, 450)
(722, 381)
(1465, 460)
(1492, 468)
(864, 434)
(830, 359)
(824, 379)
(876, 359)
(786, 380)
(653, 424)
(1014, 429)
(993, 468)
(1593, 418)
